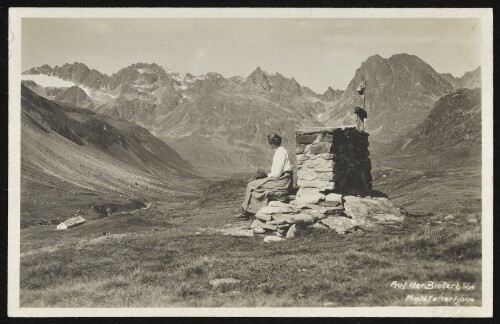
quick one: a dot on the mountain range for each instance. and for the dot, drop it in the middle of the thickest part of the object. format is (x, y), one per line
(220, 123)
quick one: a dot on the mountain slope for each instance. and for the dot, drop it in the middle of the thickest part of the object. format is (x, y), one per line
(454, 121)
(400, 92)
(69, 153)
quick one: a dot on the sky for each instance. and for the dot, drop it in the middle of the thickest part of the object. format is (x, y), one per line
(317, 52)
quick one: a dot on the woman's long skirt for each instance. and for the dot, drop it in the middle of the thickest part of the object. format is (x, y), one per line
(258, 190)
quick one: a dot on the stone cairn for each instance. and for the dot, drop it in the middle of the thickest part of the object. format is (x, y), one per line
(335, 189)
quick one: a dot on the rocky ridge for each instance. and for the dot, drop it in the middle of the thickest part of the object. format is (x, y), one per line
(401, 90)
(221, 123)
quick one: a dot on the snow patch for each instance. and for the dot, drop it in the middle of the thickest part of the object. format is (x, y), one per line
(98, 96)
(48, 81)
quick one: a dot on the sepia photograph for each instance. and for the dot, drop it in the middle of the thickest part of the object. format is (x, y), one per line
(250, 162)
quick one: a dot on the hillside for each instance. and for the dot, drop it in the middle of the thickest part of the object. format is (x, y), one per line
(72, 157)
(400, 92)
(450, 135)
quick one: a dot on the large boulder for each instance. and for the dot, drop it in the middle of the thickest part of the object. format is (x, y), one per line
(367, 211)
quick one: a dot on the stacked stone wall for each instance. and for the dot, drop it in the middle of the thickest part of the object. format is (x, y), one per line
(331, 160)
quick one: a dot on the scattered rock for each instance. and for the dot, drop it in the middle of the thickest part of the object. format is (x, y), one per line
(270, 238)
(374, 210)
(449, 217)
(303, 219)
(338, 223)
(257, 223)
(309, 196)
(264, 217)
(472, 220)
(284, 226)
(331, 204)
(321, 185)
(334, 197)
(259, 230)
(292, 231)
(278, 204)
(314, 213)
(282, 231)
(283, 209)
(320, 226)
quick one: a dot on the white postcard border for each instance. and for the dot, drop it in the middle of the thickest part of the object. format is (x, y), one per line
(15, 16)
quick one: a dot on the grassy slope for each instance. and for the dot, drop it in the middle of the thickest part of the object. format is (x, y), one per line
(118, 162)
(154, 258)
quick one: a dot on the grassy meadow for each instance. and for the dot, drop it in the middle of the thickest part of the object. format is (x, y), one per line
(166, 256)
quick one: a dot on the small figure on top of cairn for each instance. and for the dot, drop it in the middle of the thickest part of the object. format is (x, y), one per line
(361, 113)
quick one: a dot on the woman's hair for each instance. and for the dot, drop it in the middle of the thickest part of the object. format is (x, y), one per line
(274, 139)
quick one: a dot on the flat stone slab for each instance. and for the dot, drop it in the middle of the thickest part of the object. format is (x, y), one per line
(282, 209)
(259, 230)
(258, 224)
(339, 224)
(313, 130)
(319, 226)
(271, 238)
(278, 204)
(333, 197)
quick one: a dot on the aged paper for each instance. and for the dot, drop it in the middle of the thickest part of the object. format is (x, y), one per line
(132, 162)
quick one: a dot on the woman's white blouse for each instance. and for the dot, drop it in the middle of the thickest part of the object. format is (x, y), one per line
(281, 163)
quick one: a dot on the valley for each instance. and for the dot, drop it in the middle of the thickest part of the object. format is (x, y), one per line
(157, 161)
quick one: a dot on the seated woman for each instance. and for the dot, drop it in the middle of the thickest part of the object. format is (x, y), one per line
(280, 178)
